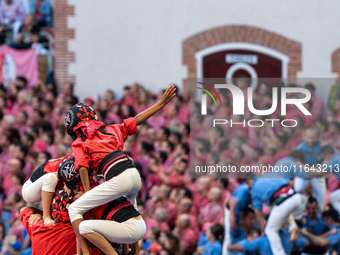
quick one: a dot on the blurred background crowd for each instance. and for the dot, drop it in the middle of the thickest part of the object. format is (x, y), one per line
(26, 24)
(183, 215)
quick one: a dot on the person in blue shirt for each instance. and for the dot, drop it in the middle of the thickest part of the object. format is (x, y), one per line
(277, 192)
(313, 221)
(241, 196)
(251, 235)
(311, 147)
(332, 161)
(214, 246)
(330, 239)
(239, 231)
(261, 244)
(288, 167)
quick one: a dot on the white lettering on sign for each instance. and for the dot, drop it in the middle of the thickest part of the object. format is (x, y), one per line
(235, 58)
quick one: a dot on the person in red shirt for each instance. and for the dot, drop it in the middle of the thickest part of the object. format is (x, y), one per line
(58, 239)
(163, 201)
(185, 234)
(100, 147)
(44, 181)
(178, 178)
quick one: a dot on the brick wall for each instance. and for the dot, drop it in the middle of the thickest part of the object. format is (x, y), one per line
(247, 34)
(336, 62)
(62, 34)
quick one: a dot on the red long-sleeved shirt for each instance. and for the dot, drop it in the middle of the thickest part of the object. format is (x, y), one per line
(90, 152)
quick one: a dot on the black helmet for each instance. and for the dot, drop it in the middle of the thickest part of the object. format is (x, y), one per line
(77, 113)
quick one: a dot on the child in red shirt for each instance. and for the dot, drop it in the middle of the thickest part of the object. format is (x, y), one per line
(100, 147)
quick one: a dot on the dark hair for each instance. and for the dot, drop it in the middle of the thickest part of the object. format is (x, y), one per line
(177, 136)
(259, 151)
(22, 163)
(187, 127)
(174, 243)
(187, 193)
(2, 87)
(49, 104)
(298, 155)
(282, 138)
(40, 113)
(23, 79)
(25, 114)
(253, 230)
(131, 111)
(22, 148)
(185, 147)
(333, 214)
(224, 182)
(310, 86)
(163, 156)
(170, 144)
(148, 147)
(72, 100)
(166, 131)
(29, 137)
(244, 213)
(312, 200)
(184, 161)
(47, 155)
(155, 231)
(13, 135)
(21, 176)
(17, 197)
(141, 203)
(218, 232)
(327, 149)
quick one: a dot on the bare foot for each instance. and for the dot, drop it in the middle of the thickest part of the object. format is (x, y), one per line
(294, 234)
(48, 222)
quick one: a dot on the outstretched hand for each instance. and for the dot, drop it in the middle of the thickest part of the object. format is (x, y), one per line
(169, 94)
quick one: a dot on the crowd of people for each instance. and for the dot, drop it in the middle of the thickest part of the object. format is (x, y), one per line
(183, 215)
(22, 21)
(282, 211)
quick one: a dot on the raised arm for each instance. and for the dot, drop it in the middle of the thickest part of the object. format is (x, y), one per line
(167, 96)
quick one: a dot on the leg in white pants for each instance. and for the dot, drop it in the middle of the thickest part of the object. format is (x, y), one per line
(318, 186)
(319, 191)
(126, 184)
(300, 184)
(277, 218)
(227, 239)
(126, 232)
(334, 197)
(31, 191)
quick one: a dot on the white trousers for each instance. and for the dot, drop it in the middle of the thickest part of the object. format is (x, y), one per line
(334, 197)
(126, 232)
(126, 184)
(318, 189)
(31, 191)
(280, 215)
(227, 238)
